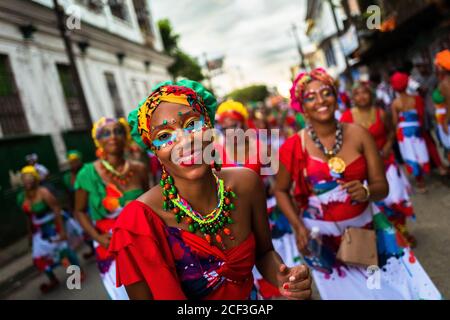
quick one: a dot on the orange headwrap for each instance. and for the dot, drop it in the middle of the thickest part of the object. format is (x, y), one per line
(442, 59)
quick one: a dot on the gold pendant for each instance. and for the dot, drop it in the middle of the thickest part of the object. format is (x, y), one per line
(336, 164)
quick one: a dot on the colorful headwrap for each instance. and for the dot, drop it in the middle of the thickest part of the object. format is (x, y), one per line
(184, 92)
(73, 155)
(302, 80)
(232, 109)
(30, 170)
(103, 121)
(442, 59)
(399, 81)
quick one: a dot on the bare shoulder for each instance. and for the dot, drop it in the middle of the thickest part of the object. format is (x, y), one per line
(240, 179)
(152, 197)
(356, 132)
(395, 104)
(353, 129)
(44, 192)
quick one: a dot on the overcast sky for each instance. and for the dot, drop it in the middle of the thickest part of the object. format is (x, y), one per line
(254, 36)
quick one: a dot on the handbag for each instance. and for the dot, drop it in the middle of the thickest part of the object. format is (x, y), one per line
(358, 246)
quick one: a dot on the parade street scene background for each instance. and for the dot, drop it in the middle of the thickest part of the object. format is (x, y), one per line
(319, 83)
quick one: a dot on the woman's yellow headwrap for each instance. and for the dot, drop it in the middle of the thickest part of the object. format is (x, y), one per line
(232, 109)
(30, 170)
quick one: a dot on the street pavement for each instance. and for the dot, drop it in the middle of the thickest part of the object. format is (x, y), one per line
(431, 228)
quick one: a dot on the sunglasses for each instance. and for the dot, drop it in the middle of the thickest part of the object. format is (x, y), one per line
(108, 133)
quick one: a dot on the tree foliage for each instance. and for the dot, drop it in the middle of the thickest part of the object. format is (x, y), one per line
(250, 93)
(184, 65)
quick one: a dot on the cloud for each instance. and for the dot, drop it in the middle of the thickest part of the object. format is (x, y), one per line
(253, 35)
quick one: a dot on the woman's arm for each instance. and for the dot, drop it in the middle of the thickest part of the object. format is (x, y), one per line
(444, 88)
(377, 183)
(81, 198)
(54, 205)
(294, 282)
(139, 291)
(394, 114)
(282, 188)
(390, 134)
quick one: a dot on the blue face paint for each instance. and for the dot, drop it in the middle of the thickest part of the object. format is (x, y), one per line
(169, 136)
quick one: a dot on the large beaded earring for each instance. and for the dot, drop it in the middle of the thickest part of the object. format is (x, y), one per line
(168, 189)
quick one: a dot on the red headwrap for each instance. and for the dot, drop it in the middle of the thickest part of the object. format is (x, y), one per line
(302, 80)
(399, 81)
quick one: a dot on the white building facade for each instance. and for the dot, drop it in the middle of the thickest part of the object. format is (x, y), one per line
(118, 54)
(323, 34)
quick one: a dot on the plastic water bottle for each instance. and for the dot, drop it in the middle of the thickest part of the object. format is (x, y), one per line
(315, 242)
(318, 257)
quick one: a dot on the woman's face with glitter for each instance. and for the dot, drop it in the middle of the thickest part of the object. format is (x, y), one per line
(319, 101)
(177, 138)
(112, 138)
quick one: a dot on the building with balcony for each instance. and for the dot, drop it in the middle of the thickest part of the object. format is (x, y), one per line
(322, 32)
(118, 55)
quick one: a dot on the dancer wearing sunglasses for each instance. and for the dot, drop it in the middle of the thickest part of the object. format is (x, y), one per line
(103, 188)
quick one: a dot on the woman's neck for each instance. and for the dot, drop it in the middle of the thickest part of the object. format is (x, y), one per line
(366, 108)
(201, 193)
(324, 129)
(116, 160)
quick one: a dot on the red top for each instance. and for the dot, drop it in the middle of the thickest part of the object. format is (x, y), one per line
(377, 130)
(319, 172)
(293, 159)
(147, 250)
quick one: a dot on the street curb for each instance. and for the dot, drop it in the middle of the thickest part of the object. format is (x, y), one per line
(14, 282)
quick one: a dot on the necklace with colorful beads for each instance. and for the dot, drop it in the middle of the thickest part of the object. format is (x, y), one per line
(213, 225)
(119, 177)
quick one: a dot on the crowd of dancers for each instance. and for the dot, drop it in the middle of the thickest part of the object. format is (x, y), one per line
(225, 228)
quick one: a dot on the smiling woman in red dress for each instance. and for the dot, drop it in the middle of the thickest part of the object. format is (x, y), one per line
(200, 232)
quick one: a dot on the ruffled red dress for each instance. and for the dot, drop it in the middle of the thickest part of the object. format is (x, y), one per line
(176, 264)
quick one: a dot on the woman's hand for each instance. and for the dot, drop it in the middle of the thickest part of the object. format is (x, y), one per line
(294, 283)
(104, 240)
(302, 238)
(356, 190)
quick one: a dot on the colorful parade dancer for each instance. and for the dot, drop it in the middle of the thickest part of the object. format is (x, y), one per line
(103, 188)
(335, 174)
(443, 124)
(200, 232)
(441, 98)
(232, 115)
(407, 113)
(75, 159)
(397, 206)
(49, 228)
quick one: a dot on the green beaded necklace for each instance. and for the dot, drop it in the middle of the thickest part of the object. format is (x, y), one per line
(211, 225)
